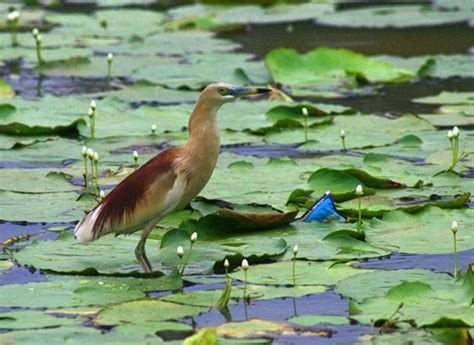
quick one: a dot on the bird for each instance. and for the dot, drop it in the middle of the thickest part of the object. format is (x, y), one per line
(169, 181)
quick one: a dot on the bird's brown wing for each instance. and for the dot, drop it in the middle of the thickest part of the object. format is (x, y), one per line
(128, 204)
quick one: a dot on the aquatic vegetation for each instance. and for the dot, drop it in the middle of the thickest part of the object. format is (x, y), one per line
(359, 192)
(342, 135)
(135, 159)
(454, 230)
(12, 20)
(295, 253)
(343, 116)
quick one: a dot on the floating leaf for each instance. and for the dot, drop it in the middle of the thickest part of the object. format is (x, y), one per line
(323, 64)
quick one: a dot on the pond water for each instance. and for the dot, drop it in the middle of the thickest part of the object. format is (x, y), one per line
(258, 39)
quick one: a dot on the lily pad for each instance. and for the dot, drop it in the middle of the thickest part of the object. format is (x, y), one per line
(323, 64)
(425, 232)
(145, 311)
(307, 273)
(393, 16)
(74, 291)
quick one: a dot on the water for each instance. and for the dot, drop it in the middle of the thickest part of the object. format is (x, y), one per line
(307, 35)
(440, 263)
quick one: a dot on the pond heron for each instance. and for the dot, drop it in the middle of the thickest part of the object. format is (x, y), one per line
(166, 183)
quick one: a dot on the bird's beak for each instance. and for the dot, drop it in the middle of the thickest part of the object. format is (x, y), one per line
(245, 91)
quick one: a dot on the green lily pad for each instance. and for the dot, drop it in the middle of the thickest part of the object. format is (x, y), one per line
(47, 115)
(74, 291)
(311, 320)
(446, 97)
(220, 16)
(342, 183)
(392, 16)
(325, 64)
(307, 273)
(33, 319)
(145, 311)
(210, 298)
(425, 232)
(426, 301)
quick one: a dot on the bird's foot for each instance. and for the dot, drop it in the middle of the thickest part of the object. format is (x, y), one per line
(142, 258)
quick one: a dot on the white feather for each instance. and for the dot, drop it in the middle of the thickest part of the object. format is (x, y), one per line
(83, 230)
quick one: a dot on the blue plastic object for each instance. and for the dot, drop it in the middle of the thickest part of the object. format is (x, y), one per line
(323, 211)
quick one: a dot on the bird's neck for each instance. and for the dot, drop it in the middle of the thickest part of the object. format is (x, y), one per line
(204, 140)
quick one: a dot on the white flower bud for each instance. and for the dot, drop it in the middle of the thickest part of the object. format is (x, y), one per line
(93, 105)
(245, 264)
(450, 135)
(343, 134)
(101, 194)
(304, 111)
(90, 153)
(35, 32)
(38, 38)
(13, 15)
(226, 263)
(295, 249)
(154, 128)
(359, 190)
(84, 151)
(454, 227)
(110, 57)
(96, 157)
(455, 132)
(180, 251)
(135, 155)
(91, 112)
(194, 237)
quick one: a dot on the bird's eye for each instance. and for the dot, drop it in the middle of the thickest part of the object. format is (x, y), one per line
(221, 90)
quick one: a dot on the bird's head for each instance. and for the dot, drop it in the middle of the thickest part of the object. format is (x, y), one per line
(221, 93)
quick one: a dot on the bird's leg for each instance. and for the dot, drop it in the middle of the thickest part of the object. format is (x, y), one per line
(140, 249)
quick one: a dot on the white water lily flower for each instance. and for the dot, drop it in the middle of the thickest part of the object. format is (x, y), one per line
(96, 157)
(304, 111)
(93, 105)
(450, 135)
(454, 227)
(245, 264)
(84, 151)
(110, 57)
(359, 190)
(295, 249)
(38, 38)
(135, 154)
(180, 251)
(90, 153)
(342, 134)
(91, 112)
(194, 237)
(226, 263)
(13, 15)
(102, 194)
(455, 132)
(154, 128)
(35, 32)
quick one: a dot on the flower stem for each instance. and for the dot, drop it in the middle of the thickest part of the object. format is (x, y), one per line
(294, 270)
(359, 222)
(344, 148)
(456, 267)
(38, 53)
(185, 263)
(305, 129)
(86, 175)
(245, 285)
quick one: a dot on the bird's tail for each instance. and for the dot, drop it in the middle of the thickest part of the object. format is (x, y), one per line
(84, 230)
